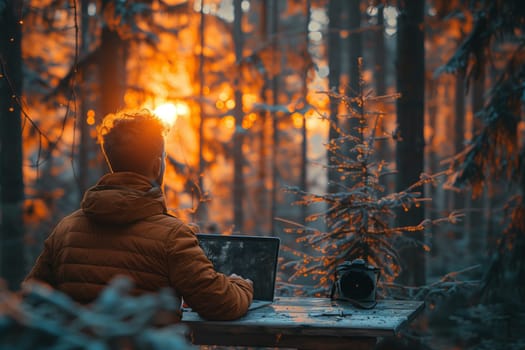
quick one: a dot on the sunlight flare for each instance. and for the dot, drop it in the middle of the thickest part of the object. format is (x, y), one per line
(167, 112)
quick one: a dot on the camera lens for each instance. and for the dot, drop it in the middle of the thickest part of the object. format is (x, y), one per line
(356, 285)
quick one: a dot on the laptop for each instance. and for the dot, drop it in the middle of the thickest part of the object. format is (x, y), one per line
(253, 257)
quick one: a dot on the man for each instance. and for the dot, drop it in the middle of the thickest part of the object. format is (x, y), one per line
(122, 228)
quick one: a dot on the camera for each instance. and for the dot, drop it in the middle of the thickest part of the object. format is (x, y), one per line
(356, 282)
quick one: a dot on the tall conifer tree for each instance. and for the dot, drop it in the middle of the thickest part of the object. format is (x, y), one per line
(11, 177)
(238, 159)
(410, 120)
(112, 67)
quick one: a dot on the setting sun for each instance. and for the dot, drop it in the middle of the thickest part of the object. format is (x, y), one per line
(167, 112)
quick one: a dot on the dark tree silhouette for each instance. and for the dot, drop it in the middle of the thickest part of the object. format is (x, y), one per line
(11, 179)
(112, 56)
(494, 152)
(334, 62)
(410, 120)
(238, 158)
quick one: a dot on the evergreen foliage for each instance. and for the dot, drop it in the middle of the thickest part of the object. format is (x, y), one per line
(489, 327)
(43, 318)
(496, 153)
(359, 215)
(498, 25)
(492, 317)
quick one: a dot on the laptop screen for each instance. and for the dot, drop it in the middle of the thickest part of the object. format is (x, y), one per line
(252, 257)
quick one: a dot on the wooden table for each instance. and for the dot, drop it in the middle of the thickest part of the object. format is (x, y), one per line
(306, 323)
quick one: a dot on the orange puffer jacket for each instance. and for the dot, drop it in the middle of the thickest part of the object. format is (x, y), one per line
(122, 229)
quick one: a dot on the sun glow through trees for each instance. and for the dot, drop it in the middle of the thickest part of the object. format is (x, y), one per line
(169, 112)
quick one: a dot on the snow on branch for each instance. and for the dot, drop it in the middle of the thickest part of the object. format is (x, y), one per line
(41, 317)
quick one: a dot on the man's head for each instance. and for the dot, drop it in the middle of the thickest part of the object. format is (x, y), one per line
(134, 141)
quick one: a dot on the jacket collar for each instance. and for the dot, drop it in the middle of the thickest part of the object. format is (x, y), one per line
(123, 198)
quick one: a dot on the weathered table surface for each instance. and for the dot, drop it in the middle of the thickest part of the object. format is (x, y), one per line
(306, 323)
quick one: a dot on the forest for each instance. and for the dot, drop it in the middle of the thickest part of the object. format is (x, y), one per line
(392, 131)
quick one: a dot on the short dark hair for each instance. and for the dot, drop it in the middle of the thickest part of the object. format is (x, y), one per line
(130, 140)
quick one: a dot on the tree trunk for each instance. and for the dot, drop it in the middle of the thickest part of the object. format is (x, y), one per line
(262, 223)
(379, 53)
(458, 198)
(304, 131)
(382, 146)
(354, 46)
(477, 228)
(274, 13)
(112, 70)
(410, 119)
(436, 205)
(202, 210)
(354, 42)
(238, 160)
(12, 262)
(334, 64)
(83, 146)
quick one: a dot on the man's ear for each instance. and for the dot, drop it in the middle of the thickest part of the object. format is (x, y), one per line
(157, 167)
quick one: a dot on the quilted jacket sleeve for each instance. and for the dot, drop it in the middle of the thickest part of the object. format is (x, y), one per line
(211, 294)
(43, 269)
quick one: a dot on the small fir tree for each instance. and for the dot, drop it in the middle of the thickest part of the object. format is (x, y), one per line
(360, 216)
